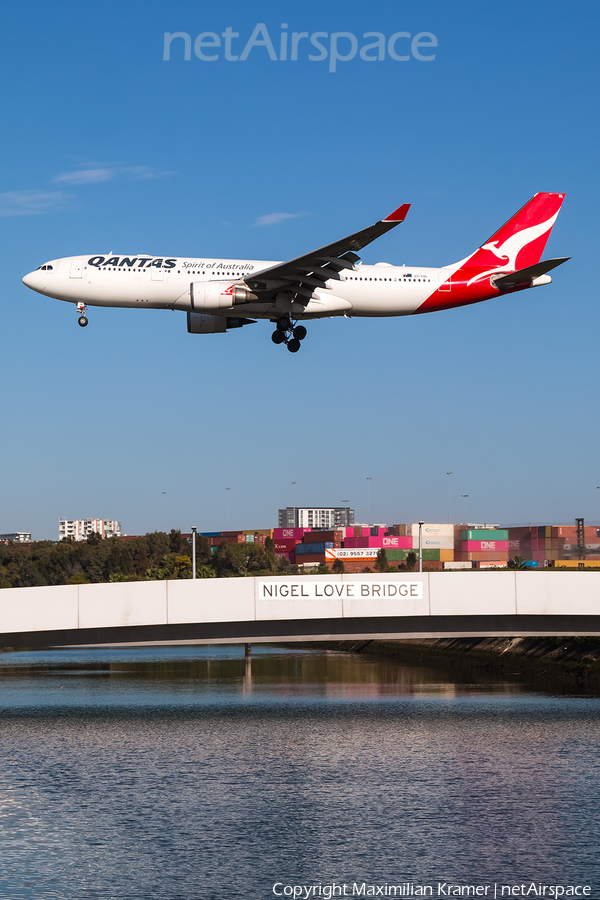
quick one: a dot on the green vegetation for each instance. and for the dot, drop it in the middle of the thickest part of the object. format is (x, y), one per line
(381, 563)
(151, 557)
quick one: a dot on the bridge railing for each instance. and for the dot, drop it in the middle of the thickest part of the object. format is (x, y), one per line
(331, 597)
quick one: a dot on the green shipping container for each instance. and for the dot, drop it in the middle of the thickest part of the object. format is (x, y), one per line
(400, 555)
(397, 554)
(485, 534)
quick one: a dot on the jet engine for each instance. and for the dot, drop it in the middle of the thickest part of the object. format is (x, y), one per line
(211, 295)
(201, 323)
(218, 295)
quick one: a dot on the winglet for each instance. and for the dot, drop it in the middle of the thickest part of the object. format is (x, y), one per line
(399, 214)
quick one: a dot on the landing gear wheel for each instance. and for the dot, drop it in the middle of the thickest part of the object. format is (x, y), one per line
(293, 345)
(284, 323)
(299, 332)
(82, 321)
(278, 337)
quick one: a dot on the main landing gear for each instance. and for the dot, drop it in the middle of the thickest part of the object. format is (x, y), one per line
(288, 333)
(82, 314)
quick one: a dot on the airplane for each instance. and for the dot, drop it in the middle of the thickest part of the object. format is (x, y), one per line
(221, 294)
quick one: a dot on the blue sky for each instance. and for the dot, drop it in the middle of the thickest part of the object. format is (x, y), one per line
(109, 147)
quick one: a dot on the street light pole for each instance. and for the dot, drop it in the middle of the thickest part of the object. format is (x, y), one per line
(294, 483)
(421, 546)
(193, 551)
(464, 496)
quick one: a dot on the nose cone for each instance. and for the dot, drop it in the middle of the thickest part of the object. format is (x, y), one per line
(34, 281)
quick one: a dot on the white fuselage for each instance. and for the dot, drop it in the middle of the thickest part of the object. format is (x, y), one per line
(164, 283)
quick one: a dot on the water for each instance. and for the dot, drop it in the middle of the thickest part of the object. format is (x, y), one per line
(178, 774)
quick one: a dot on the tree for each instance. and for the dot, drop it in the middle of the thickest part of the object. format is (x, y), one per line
(338, 566)
(411, 560)
(381, 564)
(270, 554)
(179, 544)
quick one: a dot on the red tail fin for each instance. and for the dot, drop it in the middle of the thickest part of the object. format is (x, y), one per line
(521, 241)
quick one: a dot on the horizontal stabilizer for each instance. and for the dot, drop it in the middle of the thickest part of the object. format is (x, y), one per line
(505, 282)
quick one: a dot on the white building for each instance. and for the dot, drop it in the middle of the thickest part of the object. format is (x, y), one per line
(316, 517)
(17, 537)
(80, 529)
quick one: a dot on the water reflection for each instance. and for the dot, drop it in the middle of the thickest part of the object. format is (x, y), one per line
(249, 670)
(203, 773)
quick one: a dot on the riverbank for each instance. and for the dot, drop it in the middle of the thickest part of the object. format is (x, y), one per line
(574, 660)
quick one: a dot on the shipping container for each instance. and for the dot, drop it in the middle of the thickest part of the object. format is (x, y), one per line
(485, 546)
(458, 565)
(400, 543)
(355, 566)
(317, 559)
(320, 536)
(496, 564)
(397, 555)
(447, 555)
(515, 534)
(291, 557)
(355, 553)
(283, 534)
(431, 530)
(284, 546)
(397, 542)
(485, 557)
(577, 564)
(434, 543)
(485, 534)
(313, 547)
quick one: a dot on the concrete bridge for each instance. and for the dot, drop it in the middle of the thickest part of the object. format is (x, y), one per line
(304, 608)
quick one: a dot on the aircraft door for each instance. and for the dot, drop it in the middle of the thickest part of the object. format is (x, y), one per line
(76, 268)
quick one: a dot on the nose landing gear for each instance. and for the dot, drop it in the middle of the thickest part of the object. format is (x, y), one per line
(82, 320)
(288, 333)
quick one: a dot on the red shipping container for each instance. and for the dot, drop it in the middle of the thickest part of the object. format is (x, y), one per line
(284, 546)
(318, 537)
(567, 531)
(284, 534)
(485, 546)
(519, 532)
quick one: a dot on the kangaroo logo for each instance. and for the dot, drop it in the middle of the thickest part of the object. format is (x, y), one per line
(506, 253)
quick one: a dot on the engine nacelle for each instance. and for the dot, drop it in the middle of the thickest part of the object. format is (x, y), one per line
(201, 323)
(211, 295)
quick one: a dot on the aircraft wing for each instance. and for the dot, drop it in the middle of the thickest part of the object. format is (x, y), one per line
(304, 274)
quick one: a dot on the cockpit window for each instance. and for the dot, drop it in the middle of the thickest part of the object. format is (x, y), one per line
(45, 268)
